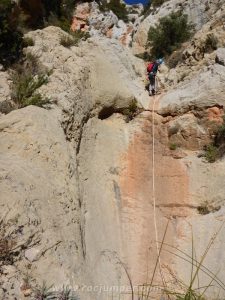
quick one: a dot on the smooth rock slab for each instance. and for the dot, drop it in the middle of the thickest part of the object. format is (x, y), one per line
(205, 90)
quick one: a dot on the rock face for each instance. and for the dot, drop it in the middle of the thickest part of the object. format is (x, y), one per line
(89, 17)
(5, 104)
(199, 13)
(38, 185)
(89, 185)
(37, 143)
(204, 90)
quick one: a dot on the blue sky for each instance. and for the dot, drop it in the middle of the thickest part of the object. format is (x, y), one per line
(136, 1)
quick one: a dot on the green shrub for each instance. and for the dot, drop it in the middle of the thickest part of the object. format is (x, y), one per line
(169, 34)
(26, 79)
(203, 209)
(211, 153)
(175, 58)
(61, 22)
(211, 43)
(80, 35)
(66, 294)
(118, 8)
(157, 3)
(41, 13)
(74, 38)
(220, 135)
(10, 36)
(145, 56)
(216, 150)
(151, 6)
(206, 208)
(43, 292)
(131, 111)
(67, 41)
(173, 146)
(27, 41)
(147, 9)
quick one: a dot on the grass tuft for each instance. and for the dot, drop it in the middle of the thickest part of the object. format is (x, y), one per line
(28, 42)
(211, 43)
(173, 146)
(43, 292)
(210, 153)
(74, 38)
(131, 111)
(216, 149)
(27, 77)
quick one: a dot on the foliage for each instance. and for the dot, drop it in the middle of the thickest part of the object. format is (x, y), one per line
(216, 150)
(74, 38)
(62, 22)
(211, 153)
(28, 42)
(17, 18)
(157, 3)
(66, 294)
(206, 208)
(33, 11)
(211, 43)
(39, 11)
(61, 14)
(147, 9)
(175, 58)
(117, 7)
(151, 6)
(173, 146)
(220, 135)
(26, 79)
(203, 209)
(180, 290)
(10, 36)
(169, 34)
(67, 41)
(131, 111)
(43, 292)
(145, 56)
(48, 12)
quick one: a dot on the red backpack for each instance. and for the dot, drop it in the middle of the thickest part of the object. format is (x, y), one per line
(150, 67)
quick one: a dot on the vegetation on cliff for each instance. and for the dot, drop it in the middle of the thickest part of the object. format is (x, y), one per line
(216, 149)
(10, 35)
(169, 34)
(27, 76)
(118, 8)
(18, 18)
(157, 3)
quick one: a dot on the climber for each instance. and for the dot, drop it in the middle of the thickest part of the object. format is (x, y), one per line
(152, 69)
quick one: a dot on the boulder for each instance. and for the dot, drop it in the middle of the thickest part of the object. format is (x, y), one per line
(220, 56)
(203, 90)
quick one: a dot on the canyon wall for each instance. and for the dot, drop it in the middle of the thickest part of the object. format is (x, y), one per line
(90, 183)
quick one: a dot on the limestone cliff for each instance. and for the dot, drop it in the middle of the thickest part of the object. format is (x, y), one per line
(86, 181)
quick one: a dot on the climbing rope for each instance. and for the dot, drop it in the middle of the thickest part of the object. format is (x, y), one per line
(153, 190)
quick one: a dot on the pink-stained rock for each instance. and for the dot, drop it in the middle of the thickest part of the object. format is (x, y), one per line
(137, 208)
(215, 114)
(80, 17)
